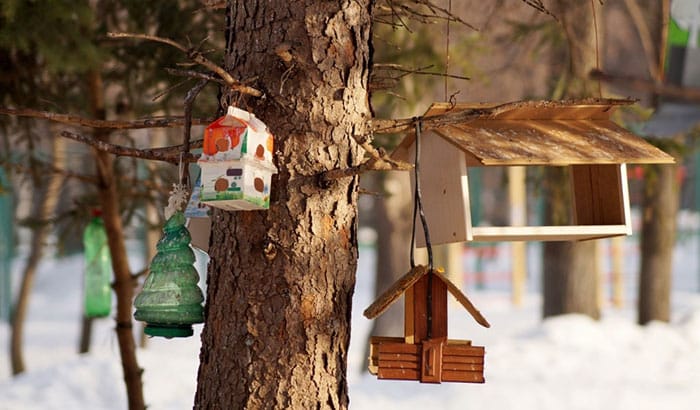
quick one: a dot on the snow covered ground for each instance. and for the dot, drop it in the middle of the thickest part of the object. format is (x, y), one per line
(569, 362)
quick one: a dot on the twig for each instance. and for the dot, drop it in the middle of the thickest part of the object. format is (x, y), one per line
(168, 154)
(161, 122)
(198, 58)
(195, 74)
(187, 132)
(537, 5)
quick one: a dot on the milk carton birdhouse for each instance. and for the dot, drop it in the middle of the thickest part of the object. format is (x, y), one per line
(425, 353)
(236, 162)
(579, 136)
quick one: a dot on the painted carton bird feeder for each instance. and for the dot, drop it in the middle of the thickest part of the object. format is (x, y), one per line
(576, 135)
(424, 353)
(236, 162)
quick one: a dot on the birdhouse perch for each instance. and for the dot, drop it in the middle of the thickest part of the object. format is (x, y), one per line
(576, 135)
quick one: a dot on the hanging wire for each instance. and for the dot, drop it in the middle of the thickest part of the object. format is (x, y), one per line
(418, 211)
(417, 201)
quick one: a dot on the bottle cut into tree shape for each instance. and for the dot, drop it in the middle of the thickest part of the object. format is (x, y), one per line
(98, 270)
(171, 300)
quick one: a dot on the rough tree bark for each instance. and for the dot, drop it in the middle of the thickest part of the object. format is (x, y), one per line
(570, 279)
(280, 282)
(123, 281)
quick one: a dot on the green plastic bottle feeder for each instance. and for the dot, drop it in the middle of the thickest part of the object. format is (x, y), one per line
(171, 300)
(98, 269)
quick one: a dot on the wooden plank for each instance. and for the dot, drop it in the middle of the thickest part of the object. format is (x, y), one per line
(385, 339)
(409, 322)
(395, 290)
(431, 362)
(459, 367)
(398, 357)
(547, 233)
(461, 359)
(404, 348)
(418, 298)
(597, 194)
(398, 374)
(454, 350)
(402, 364)
(463, 300)
(464, 377)
(445, 191)
(458, 343)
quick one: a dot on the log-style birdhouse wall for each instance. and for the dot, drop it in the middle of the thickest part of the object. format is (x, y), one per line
(579, 136)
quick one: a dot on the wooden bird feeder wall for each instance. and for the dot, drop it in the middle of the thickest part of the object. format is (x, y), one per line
(579, 136)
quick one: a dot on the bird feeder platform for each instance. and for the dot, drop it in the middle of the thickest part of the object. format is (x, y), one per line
(578, 135)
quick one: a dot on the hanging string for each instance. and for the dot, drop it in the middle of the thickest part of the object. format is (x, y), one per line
(597, 47)
(447, 45)
(418, 211)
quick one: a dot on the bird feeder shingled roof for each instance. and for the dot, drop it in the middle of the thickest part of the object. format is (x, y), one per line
(540, 133)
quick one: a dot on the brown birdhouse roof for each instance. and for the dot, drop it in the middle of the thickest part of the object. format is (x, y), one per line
(409, 279)
(537, 133)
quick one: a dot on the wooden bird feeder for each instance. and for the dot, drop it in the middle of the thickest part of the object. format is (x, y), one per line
(579, 136)
(424, 353)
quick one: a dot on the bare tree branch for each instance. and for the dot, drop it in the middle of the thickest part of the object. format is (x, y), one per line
(168, 154)
(388, 126)
(668, 90)
(198, 58)
(195, 74)
(158, 122)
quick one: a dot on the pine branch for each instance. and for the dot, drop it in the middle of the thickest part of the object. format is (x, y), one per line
(158, 122)
(198, 58)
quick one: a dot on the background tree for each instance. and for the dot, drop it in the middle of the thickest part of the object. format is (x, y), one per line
(570, 281)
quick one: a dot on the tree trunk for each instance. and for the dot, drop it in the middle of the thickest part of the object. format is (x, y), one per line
(47, 202)
(660, 206)
(123, 282)
(569, 277)
(660, 203)
(281, 281)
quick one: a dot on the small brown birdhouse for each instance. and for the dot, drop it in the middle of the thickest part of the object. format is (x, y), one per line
(580, 136)
(424, 353)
